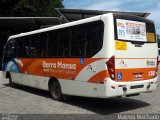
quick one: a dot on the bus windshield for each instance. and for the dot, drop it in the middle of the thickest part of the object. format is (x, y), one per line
(129, 28)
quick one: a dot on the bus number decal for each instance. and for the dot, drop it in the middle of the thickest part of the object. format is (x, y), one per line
(151, 73)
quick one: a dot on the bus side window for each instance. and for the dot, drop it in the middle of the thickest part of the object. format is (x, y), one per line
(26, 47)
(38, 45)
(33, 46)
(78, 41)
(10, 48)
(41, 45)
(94, 38)
(19, 48)
(52, 49)
(63, 43)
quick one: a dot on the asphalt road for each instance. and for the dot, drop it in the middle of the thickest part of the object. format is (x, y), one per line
(25, 100)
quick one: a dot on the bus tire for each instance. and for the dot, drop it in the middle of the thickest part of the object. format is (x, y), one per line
(55, 90)
(10, 79)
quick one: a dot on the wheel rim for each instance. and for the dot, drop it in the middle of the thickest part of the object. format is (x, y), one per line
(56, 91)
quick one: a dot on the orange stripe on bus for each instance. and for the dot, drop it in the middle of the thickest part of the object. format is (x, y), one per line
(132, 74)
(99, 77)
(136, 58)
(35, 67)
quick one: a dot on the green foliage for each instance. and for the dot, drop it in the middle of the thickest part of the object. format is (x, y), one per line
(29, 8)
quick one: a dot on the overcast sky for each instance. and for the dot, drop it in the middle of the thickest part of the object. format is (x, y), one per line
(151, 6)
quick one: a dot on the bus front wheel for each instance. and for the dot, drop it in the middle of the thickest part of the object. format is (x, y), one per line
(10, 79)
(55, 90)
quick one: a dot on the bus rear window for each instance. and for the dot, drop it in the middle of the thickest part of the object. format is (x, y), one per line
(138, 30)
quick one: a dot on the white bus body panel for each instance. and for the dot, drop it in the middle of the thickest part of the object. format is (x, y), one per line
(81, 87)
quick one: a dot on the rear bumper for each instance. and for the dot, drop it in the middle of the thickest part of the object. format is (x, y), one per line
(127, 88)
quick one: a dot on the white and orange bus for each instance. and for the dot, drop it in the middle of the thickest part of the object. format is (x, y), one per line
(104, 56)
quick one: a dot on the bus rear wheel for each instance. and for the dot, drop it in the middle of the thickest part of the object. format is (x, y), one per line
(55, 90)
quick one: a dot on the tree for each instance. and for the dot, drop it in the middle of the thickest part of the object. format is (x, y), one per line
(7, 6)
(29, 8)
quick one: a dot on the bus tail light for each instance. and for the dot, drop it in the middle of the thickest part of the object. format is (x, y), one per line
(111, 67)
(157, 61)
(157, 65)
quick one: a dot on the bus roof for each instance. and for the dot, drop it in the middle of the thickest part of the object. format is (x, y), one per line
(68, 15)
(71, 23)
